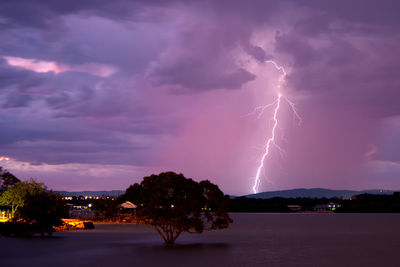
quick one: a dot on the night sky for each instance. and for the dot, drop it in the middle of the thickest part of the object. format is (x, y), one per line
(94, 95)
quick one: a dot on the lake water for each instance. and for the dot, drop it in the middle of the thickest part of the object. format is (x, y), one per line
(252, 240)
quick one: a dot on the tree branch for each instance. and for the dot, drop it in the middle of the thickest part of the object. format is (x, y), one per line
(160, 233)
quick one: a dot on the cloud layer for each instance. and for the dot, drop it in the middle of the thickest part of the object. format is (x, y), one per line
(96, 95)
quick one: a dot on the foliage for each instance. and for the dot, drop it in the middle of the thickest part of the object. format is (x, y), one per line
(7, 179)
(276, 204)
(368, 203)
(131, 193)
(44, 209)
(173, 204)
(17, 229)
(21, 229)
(33, 205)
(361, 203)
(16, 196)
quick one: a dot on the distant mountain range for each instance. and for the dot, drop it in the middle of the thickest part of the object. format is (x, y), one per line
(317, 193)
(112, 193)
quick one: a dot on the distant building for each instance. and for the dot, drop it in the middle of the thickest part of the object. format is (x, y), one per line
(330, 207)
(127, 208)
(128, 205)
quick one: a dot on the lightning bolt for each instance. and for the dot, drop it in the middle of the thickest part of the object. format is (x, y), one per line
(261, 109)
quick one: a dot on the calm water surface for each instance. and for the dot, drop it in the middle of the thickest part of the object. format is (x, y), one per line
(252, 240)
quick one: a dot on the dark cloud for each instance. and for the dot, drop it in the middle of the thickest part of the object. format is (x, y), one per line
(46, 14)
(257, 52)
(202, 57)
(65, 140)
(371, 12)
(197, 75)
(42, 14)
(17, 100)
(302, 52)
(18, 78)
(343, 74)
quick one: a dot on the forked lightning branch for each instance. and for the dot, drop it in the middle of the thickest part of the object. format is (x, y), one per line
(272, 137)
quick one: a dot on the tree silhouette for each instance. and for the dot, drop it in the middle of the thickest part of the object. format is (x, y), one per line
(43, 210)
(32, 205)
(173, 204)
(7, 179)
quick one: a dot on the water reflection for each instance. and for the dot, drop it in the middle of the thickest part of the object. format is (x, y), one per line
(253, 240)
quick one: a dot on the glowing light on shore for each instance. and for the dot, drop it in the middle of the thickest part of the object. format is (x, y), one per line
(4, 158)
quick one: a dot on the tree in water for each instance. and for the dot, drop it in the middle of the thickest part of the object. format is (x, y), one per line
(173, 204)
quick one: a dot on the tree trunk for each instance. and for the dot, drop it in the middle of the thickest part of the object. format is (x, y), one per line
(168, 234)
(13, 210)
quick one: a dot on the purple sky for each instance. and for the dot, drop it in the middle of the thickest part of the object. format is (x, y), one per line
(94, 95)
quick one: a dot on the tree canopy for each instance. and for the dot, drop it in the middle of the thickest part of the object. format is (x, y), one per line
(172, 204)
(16, 196)
(44, 210)
(7, 179)
(31, 203)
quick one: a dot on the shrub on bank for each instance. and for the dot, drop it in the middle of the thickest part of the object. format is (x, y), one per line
(23, 229)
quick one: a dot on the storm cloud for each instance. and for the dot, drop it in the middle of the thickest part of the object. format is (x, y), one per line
(130, 88)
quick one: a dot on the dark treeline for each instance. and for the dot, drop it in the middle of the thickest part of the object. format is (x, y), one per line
(360, 203)
(372, 203)
(276, 204)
